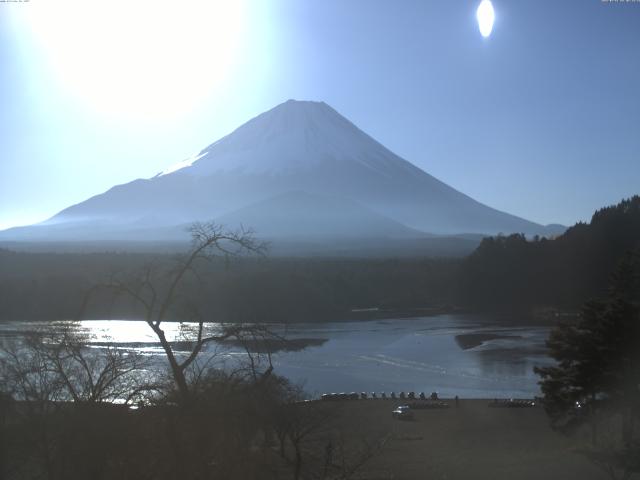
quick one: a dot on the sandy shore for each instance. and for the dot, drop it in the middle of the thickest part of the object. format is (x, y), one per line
(471, 441)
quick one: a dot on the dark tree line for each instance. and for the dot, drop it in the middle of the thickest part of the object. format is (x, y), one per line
(513, 272)
(504, 273)
(50, 286)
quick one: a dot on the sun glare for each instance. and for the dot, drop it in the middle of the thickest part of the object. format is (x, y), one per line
(486, 17)
(142, 58)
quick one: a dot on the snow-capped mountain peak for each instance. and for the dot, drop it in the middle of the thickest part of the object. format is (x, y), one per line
(346, 184)
(293, 135)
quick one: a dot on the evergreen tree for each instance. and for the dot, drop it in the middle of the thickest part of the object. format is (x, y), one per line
(596, 378)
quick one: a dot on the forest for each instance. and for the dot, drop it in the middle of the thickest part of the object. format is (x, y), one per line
(512, 272)
(505, 273)
(42, 286)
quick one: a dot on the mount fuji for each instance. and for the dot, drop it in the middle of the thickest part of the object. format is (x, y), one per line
(298, 171)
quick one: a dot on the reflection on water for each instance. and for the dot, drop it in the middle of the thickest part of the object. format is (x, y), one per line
(417, 354)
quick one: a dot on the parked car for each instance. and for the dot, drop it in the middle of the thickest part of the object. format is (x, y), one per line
(402, 412)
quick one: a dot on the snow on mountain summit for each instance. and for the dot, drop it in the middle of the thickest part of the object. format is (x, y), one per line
(247, 178)
(293, 135)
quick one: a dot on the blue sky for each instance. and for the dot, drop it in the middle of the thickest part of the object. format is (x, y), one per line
(541, 119)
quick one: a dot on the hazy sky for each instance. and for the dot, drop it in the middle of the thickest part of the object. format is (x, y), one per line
(541, 119)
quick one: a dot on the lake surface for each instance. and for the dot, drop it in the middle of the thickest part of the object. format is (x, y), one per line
(466, 355)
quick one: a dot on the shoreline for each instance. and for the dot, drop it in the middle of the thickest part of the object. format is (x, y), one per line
(467, 341)
(524, 317)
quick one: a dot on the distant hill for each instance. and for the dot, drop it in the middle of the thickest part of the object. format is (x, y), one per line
(344, 184)
(513, 272)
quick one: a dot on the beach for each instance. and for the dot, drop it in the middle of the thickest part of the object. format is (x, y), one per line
(471, 441)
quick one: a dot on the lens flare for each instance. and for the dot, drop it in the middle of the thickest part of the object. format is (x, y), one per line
(486, 17)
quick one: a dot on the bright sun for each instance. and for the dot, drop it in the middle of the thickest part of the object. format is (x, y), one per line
(486, 17)
(140, 58)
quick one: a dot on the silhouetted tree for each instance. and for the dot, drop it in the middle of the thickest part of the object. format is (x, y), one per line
(596, 379)
(68, 403)
(157, 291)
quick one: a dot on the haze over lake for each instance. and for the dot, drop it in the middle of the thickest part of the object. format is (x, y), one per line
(467, 355)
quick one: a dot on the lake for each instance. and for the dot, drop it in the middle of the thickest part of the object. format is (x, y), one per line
(470, 356)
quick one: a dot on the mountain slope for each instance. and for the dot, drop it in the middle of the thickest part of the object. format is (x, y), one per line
(289, 215)
(297, 146)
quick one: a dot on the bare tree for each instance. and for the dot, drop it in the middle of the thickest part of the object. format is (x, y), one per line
(156, 292)
(315, 443)
(57, 366)
(62, 391)
(351, 459)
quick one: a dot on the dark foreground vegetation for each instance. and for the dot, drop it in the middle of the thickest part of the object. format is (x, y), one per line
(68, 414)
(357, 440)
(595, 381)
